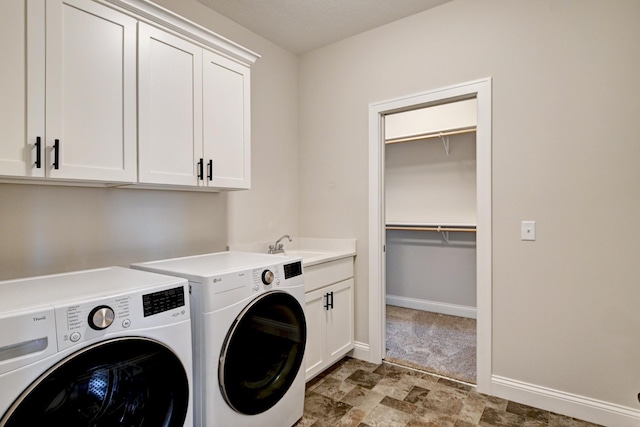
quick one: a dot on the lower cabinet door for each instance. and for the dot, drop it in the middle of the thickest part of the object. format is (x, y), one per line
(316, 327)
(329, 316)
(339, 330)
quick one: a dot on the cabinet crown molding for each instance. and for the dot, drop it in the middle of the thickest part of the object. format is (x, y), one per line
(174, 22)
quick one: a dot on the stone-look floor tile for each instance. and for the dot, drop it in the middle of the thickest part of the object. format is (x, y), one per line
(557, 420)
(455, 384)
(427, 383)
(353, 418)
(313, 383)
(383, 416)
(445, 401)
(306, 421)
(400, 405)
(529, 422)
(363, 398)
(497, 403)
(472, 408)
(417, 395)
(364, 379)
(492, 418)
(392, 371)
(333, 388)
(353, 365)
(427, 418)
(324, 408)
(398, 388)
(529, 412)
(343, 370)
(355, 393)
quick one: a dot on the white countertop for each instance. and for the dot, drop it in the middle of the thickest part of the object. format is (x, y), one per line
(312, 250)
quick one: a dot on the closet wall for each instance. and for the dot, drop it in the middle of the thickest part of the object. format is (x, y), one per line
(430, 182)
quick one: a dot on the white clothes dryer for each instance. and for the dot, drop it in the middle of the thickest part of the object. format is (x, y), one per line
(249, 335)
(105, 347)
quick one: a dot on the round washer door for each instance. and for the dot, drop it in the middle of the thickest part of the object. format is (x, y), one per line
(262, 353)
(128, 381)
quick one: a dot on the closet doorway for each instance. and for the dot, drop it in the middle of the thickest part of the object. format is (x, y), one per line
(462, 223)
(430, 219)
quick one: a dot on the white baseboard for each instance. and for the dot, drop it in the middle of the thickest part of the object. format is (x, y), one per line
(433, 306)
(592, 410)
(361, 351)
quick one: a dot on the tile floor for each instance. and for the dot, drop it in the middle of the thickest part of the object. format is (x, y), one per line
(361, 394)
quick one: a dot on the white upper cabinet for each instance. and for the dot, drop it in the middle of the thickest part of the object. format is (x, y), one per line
(227, 122)
(170, 108)
(70, 100)
(17, 146)
(80, 81)
(90, 92)
(194, 114)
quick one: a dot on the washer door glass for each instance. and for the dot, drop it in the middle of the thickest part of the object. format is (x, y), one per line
(262, 353)
(121, 382)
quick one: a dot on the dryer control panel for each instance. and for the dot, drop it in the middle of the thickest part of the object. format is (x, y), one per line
(275, 275)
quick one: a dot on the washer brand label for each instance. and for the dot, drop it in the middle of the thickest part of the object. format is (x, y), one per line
(39, 318)
(217, 279)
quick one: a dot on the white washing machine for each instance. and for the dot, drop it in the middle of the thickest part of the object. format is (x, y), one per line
(105, 347)
(249, 335)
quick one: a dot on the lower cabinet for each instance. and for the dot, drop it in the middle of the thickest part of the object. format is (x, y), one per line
(329, 315)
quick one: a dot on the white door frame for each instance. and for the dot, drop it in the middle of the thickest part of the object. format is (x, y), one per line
(481, 90)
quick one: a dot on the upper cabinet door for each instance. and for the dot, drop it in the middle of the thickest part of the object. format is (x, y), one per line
(22, 27)
(227, 122)
(170, 109)
(90, 92)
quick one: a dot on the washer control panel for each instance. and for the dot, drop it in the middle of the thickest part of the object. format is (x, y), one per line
(80, 322)
(87, 320)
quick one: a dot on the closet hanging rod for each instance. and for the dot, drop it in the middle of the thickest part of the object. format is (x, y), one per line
(429, 135)
(438, 228)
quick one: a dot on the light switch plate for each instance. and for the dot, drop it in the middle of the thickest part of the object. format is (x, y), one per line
(528, 231)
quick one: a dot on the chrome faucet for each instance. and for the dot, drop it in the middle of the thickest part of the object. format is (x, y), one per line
(277, 247)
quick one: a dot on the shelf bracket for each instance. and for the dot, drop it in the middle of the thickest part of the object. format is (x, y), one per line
(445, 235)
(445, 142)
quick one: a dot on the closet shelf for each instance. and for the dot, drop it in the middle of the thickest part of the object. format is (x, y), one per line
(429, 135)
(444, 136)
(432, 227)
(443, 229)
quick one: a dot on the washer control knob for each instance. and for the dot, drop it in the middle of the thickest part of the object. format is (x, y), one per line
(267, 277)
(101, 317)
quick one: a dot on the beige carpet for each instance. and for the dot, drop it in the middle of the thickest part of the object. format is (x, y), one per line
(432, 342)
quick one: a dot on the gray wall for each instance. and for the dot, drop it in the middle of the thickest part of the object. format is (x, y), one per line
(422, 266)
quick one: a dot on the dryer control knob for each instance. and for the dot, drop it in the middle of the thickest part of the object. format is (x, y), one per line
(101, 317)
(267, 277)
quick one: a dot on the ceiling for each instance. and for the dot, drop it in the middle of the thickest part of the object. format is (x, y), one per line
(304, 25)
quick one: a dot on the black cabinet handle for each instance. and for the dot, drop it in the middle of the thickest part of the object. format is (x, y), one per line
(210, 170)
(38, 152)
(56, 154)
(328, 300)
(200, 169)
